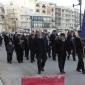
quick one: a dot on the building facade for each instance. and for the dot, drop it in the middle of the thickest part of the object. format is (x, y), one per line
(28, 19)
(11, 18)
(44, 8)
(41, 22)
(2, 14)
(42, 16)
(24, 18)
(66, 18)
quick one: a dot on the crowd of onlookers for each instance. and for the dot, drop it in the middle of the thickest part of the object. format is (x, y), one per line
(43, 45)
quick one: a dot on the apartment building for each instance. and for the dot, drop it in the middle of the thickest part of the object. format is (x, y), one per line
(11, 18)
(24, 18)
(2, 14)
(66, 18)
(41, 22)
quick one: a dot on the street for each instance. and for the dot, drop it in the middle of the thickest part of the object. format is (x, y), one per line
(11, 74)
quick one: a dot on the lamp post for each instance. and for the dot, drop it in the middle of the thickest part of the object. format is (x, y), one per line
(80, 3)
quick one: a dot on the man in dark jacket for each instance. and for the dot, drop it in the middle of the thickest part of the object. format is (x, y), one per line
(61, 48)
(68, 44)
(10, 48)
(52, 39)
(18, 44)
(1, 39)
(6, 39)
(79, 51)
(26, 46)
(32, 47)
(40, 44)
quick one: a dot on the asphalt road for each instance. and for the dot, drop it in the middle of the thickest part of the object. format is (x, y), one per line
(11, 74)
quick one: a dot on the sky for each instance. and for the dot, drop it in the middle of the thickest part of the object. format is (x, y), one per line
(67, 3)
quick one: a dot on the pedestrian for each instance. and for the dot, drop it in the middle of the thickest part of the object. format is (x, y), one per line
(10, 48)
(26, 46)
(40, 44)
(68, 39)
(61, 47)
(1, 39)
(18, 42)
(32, 47)
(79, 52)
(52, 39)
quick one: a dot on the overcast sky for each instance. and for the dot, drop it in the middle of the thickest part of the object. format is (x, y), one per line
(58, 2)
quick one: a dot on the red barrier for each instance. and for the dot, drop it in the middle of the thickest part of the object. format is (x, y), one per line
(43, 80)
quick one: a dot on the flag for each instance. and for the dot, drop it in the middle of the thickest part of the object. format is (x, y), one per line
(82, 33)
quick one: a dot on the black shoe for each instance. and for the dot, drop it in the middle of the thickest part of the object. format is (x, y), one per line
(27, 58)
(39, 72)
(49, 56)
(62, 72)
(74, 59)
(9, 62)
(78, 70)
(83, 72)
(68, 58)
(54, 59)
(42, 69)
(32, 61)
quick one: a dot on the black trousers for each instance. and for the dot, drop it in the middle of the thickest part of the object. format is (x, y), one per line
(61, 61)
(53, 53)
(69, 53)
(74, 54)
(19, 56)
(27, 53)
(41, 60)
(80, 61)
(32, 55)
(49, 51)
(9, 57)
(73, 51)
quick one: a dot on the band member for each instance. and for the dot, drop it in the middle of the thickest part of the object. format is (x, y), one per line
(40, 44)
(61, 48)
(26, 46)
(52, 39)
(79, 51)
(18, 42)
(32, 47)
(10, 48)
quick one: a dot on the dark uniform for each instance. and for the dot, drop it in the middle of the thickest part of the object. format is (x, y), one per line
(61, 47)
(73, 49)
(18, 42)
(10, 48)
(32, 47)
(40, 44)
(79, 51)
(1, 39)
(26, 46)
(52, 39)
(68, 46)
(6, 40)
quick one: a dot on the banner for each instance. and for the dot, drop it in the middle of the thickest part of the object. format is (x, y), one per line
(82, 33)
(43, 80)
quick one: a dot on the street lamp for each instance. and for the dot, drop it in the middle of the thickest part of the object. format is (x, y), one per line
(80, 3)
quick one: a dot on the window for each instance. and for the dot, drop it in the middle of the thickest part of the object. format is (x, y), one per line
(37, 10)
(52, 9)
(37, 5)
(43, 6)
(43, 11)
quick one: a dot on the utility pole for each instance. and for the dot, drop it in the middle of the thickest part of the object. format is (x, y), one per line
(80, 4)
